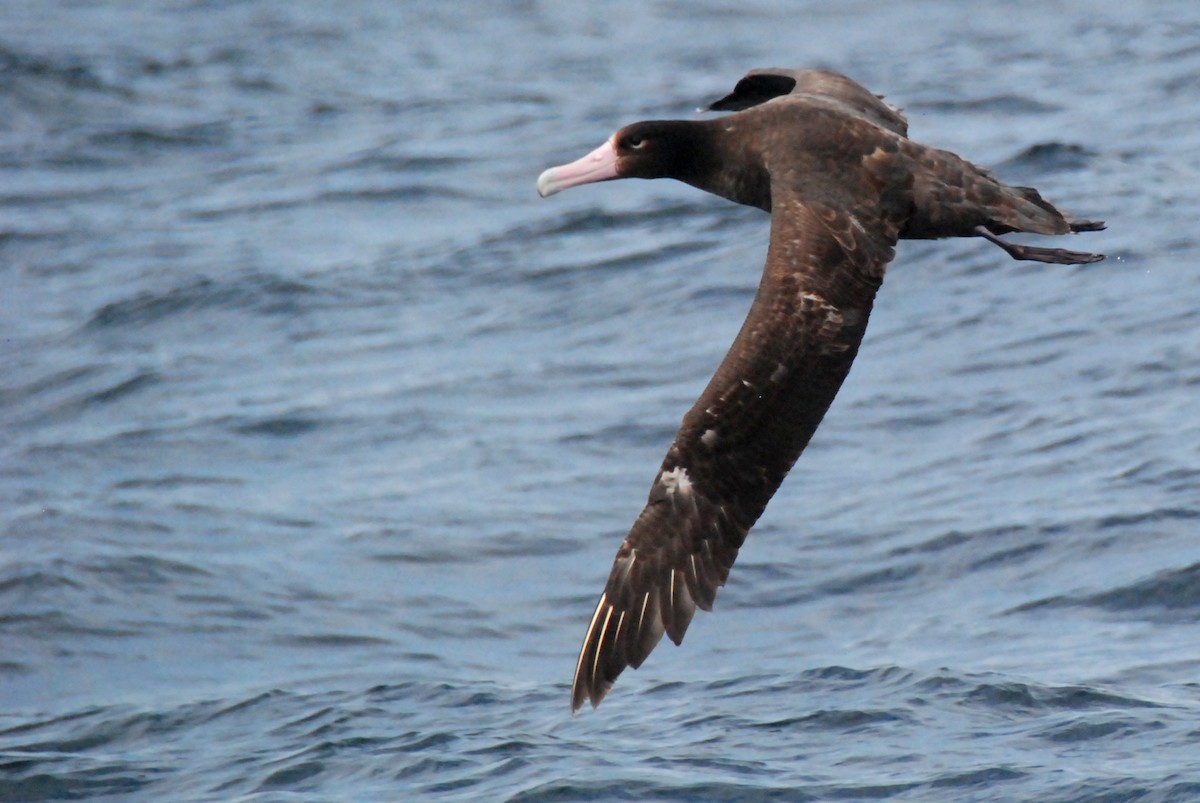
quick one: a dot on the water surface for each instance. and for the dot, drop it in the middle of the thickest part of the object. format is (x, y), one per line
(320, 429)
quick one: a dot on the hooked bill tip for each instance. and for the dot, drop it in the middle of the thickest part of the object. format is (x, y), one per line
(546, 185)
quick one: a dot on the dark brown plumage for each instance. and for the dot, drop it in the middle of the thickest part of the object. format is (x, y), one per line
(759, 86)
(834, 167)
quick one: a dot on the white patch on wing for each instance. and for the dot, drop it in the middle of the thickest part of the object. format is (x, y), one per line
(709, 438)
(779, 373)
(832, 324)
(676, 481)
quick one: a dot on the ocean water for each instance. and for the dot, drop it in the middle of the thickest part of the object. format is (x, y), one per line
(319, 429)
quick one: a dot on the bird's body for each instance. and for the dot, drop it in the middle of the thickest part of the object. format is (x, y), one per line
(842, 181)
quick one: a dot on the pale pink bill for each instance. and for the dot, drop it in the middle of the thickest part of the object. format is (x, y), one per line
(599, 165)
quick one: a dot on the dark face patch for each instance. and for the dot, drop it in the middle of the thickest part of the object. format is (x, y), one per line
(654, 149)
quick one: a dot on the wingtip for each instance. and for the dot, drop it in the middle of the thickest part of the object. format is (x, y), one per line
(647, 597)
(576, 698)
(589, 682)
(586, 693)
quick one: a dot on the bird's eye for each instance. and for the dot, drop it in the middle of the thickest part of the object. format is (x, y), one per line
(633, 142)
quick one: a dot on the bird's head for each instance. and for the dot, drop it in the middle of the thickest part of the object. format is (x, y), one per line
(652, 149)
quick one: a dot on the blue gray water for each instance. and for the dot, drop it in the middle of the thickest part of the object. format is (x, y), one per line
(319, 429)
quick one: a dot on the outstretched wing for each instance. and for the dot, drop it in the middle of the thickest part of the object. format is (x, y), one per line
(759, 86)
(737, 443)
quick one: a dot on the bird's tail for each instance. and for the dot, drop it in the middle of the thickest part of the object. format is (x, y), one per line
(954, 198)
(1032, 213)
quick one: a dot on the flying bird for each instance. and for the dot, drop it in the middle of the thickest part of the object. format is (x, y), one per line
(833, 165)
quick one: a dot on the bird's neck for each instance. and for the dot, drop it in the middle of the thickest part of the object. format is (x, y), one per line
(724, 164)
(709, 156)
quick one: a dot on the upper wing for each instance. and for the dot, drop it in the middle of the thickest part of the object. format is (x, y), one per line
(759, 86)
(739, 440)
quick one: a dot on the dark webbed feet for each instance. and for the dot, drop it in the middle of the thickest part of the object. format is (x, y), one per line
(1056, 256)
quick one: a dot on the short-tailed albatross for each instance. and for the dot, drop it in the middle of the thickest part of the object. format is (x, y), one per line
(834, 166)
